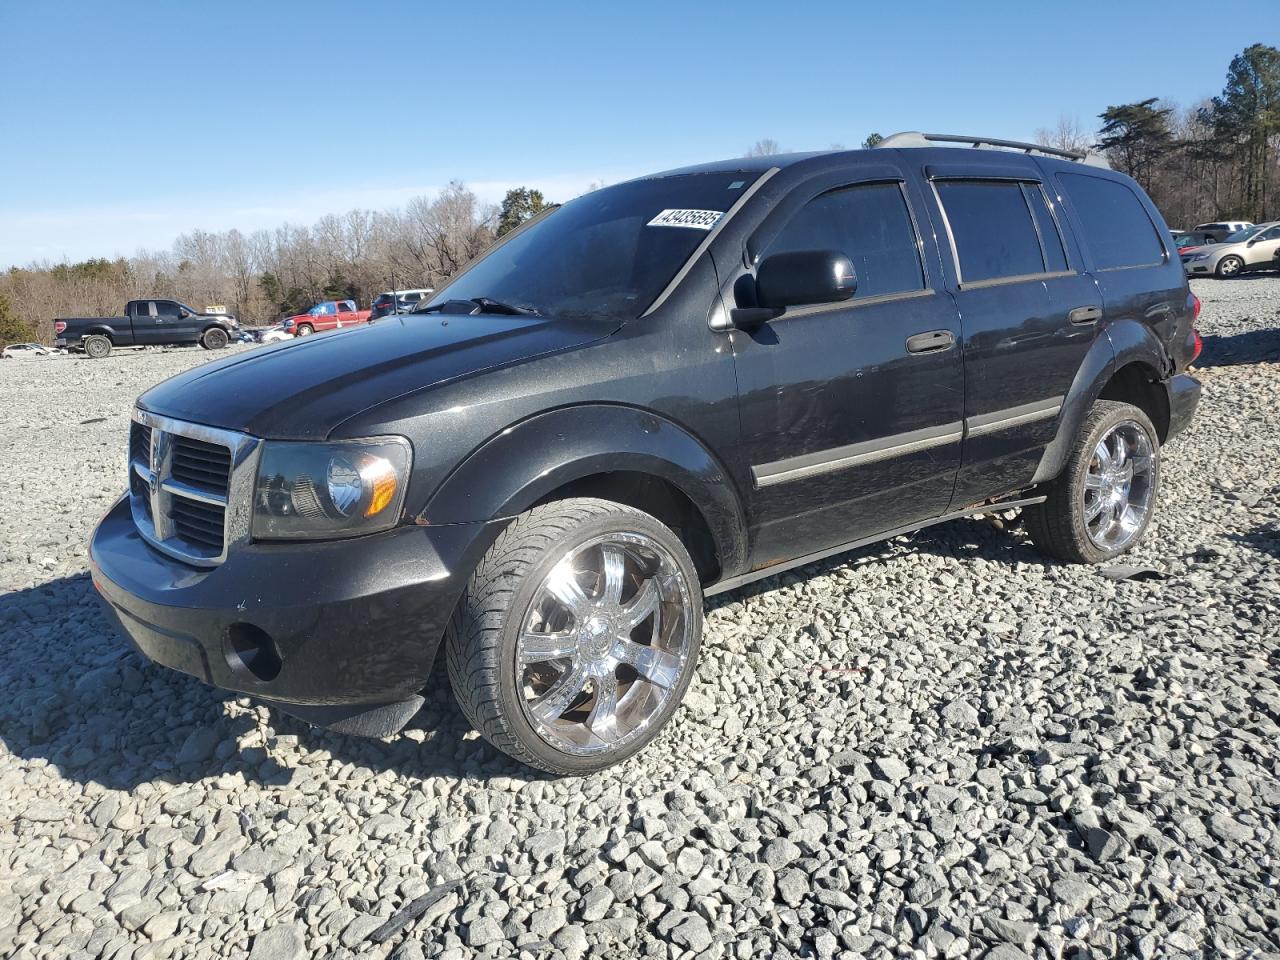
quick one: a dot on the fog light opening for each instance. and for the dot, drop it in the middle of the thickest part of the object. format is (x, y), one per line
(251, 650)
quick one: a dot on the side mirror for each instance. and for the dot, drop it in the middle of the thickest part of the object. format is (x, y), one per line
(804, 277)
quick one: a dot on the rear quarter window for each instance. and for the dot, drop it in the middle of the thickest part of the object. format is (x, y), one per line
(1117, 229)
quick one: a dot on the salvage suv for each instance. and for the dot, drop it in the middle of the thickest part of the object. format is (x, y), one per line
(659, 391)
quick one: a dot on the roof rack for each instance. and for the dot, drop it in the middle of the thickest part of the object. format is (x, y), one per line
(912, 138)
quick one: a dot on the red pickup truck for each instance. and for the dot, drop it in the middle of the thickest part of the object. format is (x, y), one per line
(328, 315)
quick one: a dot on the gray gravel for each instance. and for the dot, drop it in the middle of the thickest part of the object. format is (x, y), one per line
(941, 746)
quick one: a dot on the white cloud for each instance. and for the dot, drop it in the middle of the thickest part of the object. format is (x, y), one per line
(109, 230)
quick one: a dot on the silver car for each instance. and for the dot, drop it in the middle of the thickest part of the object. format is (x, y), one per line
(1254, 248)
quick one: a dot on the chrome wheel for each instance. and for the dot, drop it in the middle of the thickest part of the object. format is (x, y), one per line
(1230, 266)
(604, 644)
(1119, 486)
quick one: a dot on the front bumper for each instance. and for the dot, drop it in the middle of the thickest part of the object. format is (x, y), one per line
(342, 634)
(1184, 398)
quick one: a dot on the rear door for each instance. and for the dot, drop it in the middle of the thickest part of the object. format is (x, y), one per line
(1028, 311)
(146, 325)
(850, 411)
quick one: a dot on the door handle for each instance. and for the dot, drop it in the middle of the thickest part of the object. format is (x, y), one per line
(1085, 315)
(931, 342)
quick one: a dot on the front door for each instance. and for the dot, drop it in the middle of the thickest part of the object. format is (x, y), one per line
(851, 412)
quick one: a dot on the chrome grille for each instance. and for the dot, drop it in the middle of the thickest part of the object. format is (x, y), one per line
(190, 486)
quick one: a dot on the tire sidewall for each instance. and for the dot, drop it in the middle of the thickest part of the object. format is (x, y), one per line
(1079, 467)
(509, 692)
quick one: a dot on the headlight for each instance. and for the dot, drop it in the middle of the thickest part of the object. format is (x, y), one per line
(320, 491)
(1200, 256)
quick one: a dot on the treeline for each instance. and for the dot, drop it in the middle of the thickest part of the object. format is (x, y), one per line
(1214, 160)
(269, 273)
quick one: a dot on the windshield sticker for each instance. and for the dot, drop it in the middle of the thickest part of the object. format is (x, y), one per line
(697, 219)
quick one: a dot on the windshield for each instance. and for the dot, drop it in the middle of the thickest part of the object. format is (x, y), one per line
(1240, 236)
(606, 254)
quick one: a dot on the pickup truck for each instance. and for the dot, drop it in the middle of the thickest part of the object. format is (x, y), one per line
(327, 315)
(145, 323)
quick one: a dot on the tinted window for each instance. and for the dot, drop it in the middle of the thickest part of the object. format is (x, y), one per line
(1116, 226)
(992, 229)
(167, 309)
(1055, 258)
(144, 309)
(344, 307)
(871, 226)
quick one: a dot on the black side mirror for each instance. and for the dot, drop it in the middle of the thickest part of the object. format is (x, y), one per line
(803, 277)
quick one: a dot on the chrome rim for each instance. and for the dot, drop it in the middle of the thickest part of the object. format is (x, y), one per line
(604, 644)
(1119, 486)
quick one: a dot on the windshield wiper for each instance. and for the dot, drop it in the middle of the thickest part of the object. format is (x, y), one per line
(486, 305)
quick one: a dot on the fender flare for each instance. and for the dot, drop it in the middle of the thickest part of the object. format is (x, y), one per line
(524, 463)
(1122, 343)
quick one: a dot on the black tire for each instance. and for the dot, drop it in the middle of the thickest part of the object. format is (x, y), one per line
(1229, 266)
(97, 346)
(481, 640)
(215, 338)
(1057, 526)
(305, 330)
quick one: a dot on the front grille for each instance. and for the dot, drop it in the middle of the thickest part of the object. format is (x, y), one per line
(182, 478)
(203, 465)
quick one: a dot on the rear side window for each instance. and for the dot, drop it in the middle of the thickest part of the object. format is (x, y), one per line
(145, 308)
(1055, 258)
(1116, 226)
(992, 229)
(871, 225)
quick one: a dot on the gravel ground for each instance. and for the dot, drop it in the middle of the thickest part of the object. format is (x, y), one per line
(940, 746)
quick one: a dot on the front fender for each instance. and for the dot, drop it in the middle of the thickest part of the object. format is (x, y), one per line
(524, 463)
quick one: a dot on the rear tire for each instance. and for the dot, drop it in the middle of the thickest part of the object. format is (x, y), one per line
(215, 338)
(1100, 506)
(577, 635)
(1229, 266)
(305, 330)
(97, 346)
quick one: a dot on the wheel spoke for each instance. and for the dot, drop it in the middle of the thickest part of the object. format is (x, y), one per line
(1093, 509)
(644, 603)
(658, 667)
(563, 585)
(1093, 482)
(1103, 453)
(541, 647)
(615, 570)
(1140, 464)
(551, 705)
(603, 719)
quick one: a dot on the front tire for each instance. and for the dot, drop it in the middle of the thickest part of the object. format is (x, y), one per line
(577, 635)
(215, 338)
(97, 346)
(305, 330)
(1229, 266)
(1101, 504)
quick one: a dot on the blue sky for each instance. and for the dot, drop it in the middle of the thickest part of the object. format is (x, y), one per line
(129, 123)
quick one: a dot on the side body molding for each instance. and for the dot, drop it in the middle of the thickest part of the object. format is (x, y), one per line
(1124, 342)
(519, 466)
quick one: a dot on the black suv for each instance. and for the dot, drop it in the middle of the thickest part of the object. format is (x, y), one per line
(659, 391)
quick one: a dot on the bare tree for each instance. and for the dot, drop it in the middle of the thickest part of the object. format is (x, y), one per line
(1068, 134)
(763, 148)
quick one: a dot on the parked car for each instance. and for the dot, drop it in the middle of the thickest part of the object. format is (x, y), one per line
(673, 386)
(274, 334)
(1254, 248)
(145, 323)
(1184, 239)
(401, 301)
(26, 351)
(1223, 229)
(327, 315)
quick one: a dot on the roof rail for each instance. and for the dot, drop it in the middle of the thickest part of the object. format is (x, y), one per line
(912, 138)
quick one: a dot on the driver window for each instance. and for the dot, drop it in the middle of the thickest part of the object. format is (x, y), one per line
(871, 225)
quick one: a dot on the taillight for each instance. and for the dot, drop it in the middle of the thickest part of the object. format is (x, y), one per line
(1198, 343)
(59, 326)
(1194, 304)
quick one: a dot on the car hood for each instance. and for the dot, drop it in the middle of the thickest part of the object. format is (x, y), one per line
(303, 389)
